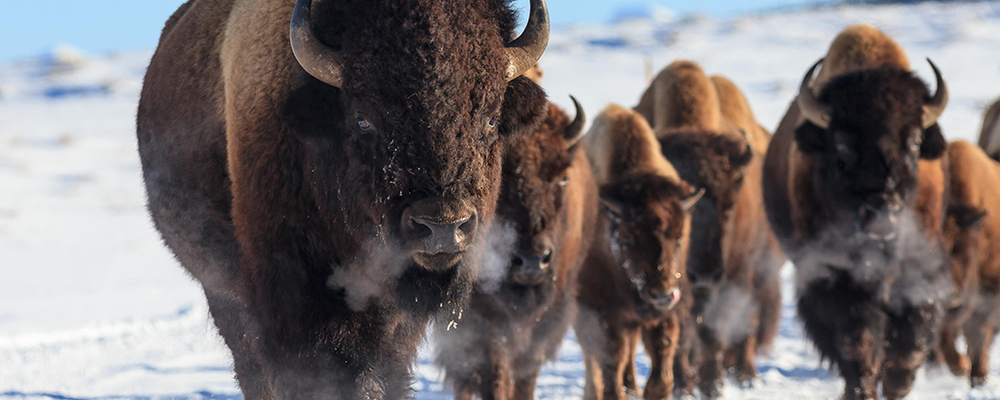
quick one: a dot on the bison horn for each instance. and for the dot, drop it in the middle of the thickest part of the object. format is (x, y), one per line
(524, 52)
(934, 108)
(812, 110)
(317, 59)
(688, 202)
(574, 131)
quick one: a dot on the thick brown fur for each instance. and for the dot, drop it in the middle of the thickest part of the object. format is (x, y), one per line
(709, 134)
(549, 199)
(972, 233)
(989, 135)
(268, 192)
(862, 283)
(629, 283)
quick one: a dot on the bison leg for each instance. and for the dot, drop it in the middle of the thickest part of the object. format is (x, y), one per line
(911, 334)
(605, 346)
(685, 358)
(958, 363)
(660, 341)
(712, 364)
(629, 379)
(744, 353)
(847, 326)
(979, 332)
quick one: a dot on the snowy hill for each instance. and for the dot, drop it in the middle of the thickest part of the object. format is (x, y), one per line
(93, 306)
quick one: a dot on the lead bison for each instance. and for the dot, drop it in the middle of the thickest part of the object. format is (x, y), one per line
(327, 181)
(709, 134)
(633, 278)
(855, 192)
(549, 199)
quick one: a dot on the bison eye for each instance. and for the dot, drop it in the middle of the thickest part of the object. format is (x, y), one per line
(493, 121)
(564, 181)
(363, 123)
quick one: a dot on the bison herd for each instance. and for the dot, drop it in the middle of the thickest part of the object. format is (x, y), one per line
(338, 183)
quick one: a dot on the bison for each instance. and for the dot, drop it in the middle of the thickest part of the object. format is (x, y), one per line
(631, 282)
(989, 136)
(709, 134)
(549, 198)
(971, 231)
(326, 172)
(854, 188)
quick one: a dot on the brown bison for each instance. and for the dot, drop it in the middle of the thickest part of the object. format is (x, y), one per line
(971, 232)
(327, 181)
(631, 283)
(854, 188)
(989, 136)
(549, 198)
(709, 134)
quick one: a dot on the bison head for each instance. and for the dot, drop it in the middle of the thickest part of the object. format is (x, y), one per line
(866, 133)
(406, 108)
(534, 200)
(716, 162)
(648, 226)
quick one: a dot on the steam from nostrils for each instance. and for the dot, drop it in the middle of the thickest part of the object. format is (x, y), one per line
(371, 273)
(380, 262)
(911, 270)
(494, 252)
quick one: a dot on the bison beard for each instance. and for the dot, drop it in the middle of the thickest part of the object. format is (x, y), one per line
(421, 291)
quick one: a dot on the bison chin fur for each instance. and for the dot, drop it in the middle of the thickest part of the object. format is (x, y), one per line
(438, 293)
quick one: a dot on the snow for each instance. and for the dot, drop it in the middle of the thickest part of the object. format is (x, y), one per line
(93, 306)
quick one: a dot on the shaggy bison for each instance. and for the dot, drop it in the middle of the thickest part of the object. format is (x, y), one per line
(631, 283)
(708, 133)
(971, 231)
(327, 181)
(855, 184)
(550, 200)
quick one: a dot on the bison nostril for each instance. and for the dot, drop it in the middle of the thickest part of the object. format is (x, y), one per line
(517, 262)
(419, 229)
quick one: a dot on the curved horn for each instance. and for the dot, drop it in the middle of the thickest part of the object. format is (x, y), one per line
(691, 200)
(812, 110)
(524, 52)
(934, 108)
(574, 131)
(316, 58)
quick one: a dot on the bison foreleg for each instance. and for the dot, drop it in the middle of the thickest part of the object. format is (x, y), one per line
(660, 341)
(979, 332)
(847, 325)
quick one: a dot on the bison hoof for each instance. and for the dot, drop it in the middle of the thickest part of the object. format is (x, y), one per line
(961, 366)
(977, 381)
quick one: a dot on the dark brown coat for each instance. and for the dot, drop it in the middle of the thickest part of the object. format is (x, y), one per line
(631, 283)
(287, 198)
(972, 232)
(859, 208)
(549, 201)
(709, 134)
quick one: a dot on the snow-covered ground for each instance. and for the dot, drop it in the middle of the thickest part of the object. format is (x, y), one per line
(92, 306)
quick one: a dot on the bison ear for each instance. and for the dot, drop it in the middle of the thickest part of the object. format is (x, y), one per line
(810, 138)
(524, 108)
(933, 146)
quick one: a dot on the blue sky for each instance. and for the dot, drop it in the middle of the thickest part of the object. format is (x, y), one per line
(31, 27)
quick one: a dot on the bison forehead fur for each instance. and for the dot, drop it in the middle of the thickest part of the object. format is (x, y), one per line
(874, 129)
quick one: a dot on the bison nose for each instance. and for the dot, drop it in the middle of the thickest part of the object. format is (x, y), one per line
(880, 223)
(531, 269)
(664, 299)
(439, 227)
